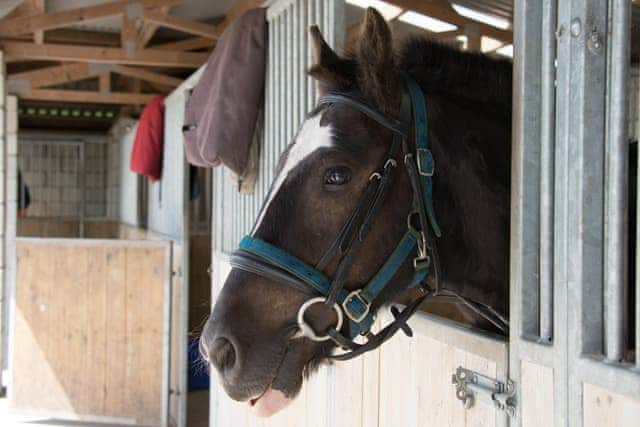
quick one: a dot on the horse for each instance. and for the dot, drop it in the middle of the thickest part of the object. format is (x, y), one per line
(265, 334)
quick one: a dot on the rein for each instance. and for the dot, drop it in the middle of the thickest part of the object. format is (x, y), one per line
(354, 308)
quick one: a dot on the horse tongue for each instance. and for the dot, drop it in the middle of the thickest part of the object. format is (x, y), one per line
(269, 403)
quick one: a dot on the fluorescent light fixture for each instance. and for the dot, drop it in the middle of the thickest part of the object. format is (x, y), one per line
(388, 11)
(506, 50)
(463, 40)
(426, 22)
(481, 17)
(488, 44)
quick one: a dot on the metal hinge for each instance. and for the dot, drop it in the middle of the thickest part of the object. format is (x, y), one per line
(471, 386)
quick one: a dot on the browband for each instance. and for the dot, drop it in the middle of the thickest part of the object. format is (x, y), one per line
(354, 102)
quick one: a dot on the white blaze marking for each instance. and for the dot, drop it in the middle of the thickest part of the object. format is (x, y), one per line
(310, 138)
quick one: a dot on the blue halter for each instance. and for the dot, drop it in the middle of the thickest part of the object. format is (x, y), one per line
(356, 305)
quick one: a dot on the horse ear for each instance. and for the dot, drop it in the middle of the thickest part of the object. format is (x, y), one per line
(377, 76)
(330, 71)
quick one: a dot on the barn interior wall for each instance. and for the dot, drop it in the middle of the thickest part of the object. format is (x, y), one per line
(66, 177)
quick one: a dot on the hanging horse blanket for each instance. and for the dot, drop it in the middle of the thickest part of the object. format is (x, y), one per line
(146, 153)
(222, 111)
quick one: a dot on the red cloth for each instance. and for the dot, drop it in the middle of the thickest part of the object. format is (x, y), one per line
(146, 153)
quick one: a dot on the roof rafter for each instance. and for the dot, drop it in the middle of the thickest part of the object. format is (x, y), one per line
(28, 24)
(86, 96)
(147, 75)
(181, 24)
(442, 9)
(18, 51)
(49, 76)
(187, 44)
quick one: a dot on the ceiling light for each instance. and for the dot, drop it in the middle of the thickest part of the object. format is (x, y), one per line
(506, 50)
(463, 41)
(388, 11)
(426, 22)
(488, 44)
(482, 17)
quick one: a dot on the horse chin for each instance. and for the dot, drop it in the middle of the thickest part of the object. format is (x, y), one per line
(269, 402)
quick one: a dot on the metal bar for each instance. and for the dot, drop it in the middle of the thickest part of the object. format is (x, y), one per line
(319, 11)
(616, 157)
(637, 261)
(303, 57)
(311, 85)
(547, 168)
(525, 190)
(296, 69)
(289, 109)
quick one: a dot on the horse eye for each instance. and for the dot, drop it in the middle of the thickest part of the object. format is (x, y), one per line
(337, 176)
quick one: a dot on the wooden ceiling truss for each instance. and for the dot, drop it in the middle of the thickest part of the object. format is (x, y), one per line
(29, 35)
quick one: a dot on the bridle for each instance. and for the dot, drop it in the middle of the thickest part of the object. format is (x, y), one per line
(418, 242)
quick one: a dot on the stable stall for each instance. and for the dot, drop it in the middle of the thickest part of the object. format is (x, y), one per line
(567, 360)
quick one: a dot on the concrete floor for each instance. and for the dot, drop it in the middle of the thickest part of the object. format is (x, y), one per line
(198, 415)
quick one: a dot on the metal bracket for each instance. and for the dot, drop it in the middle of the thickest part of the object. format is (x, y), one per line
(471, 386)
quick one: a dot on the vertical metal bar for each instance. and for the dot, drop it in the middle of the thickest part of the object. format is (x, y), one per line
(525, 172)
(547, 168)
(303, 57)
(282, 104)
(295, 95)
(289, 78)
(311, 85)
(637, 261)
(319, 12)
(616, 155)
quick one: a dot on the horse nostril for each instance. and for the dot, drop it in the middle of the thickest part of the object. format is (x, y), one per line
(222, 354)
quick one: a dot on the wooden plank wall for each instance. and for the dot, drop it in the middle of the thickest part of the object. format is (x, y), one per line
(605, 408)
(89, 329)
(69, 228)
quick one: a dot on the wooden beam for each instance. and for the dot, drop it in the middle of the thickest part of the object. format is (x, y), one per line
(181, 24)
(82, 37)
(446, 35)
(441, 9)
(147, 30)
(104, 82)
(85, 96)
(128, 33)
(49, 76)
(148, 76)
(38, 36)
(18, 51)
(187, 44)
(29, 24)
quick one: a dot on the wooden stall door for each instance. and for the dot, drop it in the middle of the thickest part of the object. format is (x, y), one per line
(91, 330)
(415, 378)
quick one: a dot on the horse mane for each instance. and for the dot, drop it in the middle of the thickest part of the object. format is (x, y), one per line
(479, 80)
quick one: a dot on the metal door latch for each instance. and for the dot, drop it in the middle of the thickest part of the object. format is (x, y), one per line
(471, 386)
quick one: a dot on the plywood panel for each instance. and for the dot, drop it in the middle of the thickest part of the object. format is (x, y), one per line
(415, 376)
(129, 232)
(537, 395)
(65, 228)
(38, 227)
(100, 229)
(604, 408)
(89, 329)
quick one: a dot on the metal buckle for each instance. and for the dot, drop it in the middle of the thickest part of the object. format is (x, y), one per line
(306, 330)
(423, 260)
(357, 294)
(420, 152)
